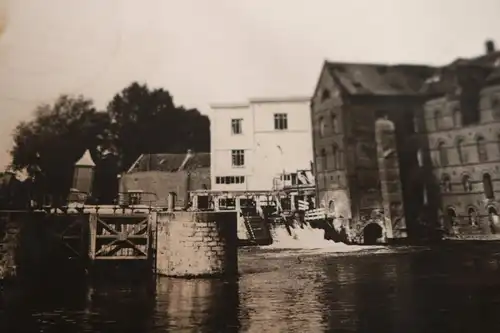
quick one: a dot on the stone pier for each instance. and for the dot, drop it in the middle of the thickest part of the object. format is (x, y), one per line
(197, 244)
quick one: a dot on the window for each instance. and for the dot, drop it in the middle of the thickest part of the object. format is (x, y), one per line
(472, 214)
(451, 215)
(446, 183)
(335, 157)
(462, 158)
(230, 180)
(495, 107)
(280, 121)
(323, 159)
(236, 126)
(488, 186)
(325, 95)
(437, 118)
(334, 124)
(482, 154)
(238, 157)
(466, 183)
(420, 158)
(321, 127)
(443, 154)
(457, 117)
(498, 142)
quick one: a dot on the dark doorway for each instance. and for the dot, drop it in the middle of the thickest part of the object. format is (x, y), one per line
(371, 233)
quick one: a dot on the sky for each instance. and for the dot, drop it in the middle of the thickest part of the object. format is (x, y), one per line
(207, 51)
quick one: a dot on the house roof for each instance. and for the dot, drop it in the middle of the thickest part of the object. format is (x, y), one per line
(86, 160)
(171, 162)
(378, 79)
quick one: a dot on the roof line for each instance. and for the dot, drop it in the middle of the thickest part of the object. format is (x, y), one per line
(253, 100)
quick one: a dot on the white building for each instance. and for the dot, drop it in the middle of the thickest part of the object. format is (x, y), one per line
(255, 142)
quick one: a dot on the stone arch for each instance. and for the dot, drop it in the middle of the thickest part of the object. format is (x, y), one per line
(322, 126)
(493, 218)
(372, 232)
(488, 186)
(466, 182)
(446, 182)
(451, 215)
(442, 152)
(323, 159)
(459, 143)
(437, 120)
(482, 152)
(472, 215)
(457, 116)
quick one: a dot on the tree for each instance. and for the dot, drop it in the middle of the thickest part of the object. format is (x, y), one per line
(50, 144)
(147, 121)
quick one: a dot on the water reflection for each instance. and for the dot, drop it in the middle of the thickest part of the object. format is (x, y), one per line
(446, 289)
(207, 305)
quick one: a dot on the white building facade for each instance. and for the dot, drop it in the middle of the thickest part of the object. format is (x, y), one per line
(254, 143)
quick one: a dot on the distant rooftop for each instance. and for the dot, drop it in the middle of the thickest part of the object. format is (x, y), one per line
(171, 162)
(256, 100)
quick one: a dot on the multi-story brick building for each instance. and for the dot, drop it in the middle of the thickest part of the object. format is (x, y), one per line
(459, 136)
(354, 180)
(381, 161)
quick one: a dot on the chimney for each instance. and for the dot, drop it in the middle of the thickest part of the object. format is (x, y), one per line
(490, 46)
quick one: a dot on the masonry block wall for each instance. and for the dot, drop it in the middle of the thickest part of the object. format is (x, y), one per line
(191, 244)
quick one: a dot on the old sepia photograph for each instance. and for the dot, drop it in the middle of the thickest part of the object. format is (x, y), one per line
(253, 166)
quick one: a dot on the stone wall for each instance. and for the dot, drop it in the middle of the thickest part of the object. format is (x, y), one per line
(193, 244)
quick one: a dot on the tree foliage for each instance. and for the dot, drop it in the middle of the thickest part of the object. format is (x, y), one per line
(147, 121)
(137, 120)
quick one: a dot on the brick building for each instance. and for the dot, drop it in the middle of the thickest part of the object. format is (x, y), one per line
(165, 173)
(459, 134)
(380, 160)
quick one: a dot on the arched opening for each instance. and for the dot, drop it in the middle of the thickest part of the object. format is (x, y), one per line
(451, 215)
(323, 159)
(488, 186)
(437, 118)
(335, 157)
(472, 215)
(334, 123)
(331, 206)
(457, 117)
(372, 233)
(467, 183)
(443, 154)
(446, 183)
(321, 127)
(494, 219)
(482, 153)
(460, 150)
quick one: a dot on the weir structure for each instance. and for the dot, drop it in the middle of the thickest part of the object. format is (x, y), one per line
(132, 234)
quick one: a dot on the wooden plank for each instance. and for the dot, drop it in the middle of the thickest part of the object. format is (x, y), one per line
(92, 235)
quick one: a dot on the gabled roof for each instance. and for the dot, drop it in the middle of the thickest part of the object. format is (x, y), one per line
(379, 79)
(171, 162)
(86, 160)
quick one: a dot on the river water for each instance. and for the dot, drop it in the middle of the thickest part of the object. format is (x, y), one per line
(334, 288)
